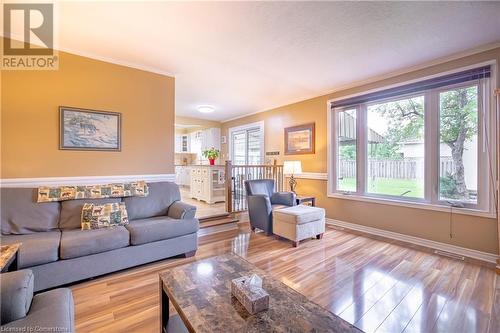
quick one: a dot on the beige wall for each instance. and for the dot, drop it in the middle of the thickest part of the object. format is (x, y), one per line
(30, 119)
(469, 231)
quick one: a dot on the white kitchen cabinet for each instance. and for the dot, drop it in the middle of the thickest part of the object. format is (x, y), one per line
(211, 138)
(207, 183)
(204, 139)
(183, 175)
(196, 140)
(182, 143)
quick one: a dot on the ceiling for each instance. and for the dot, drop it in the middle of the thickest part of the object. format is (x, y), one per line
(245, 57)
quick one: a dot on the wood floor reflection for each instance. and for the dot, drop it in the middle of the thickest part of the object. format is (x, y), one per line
(376, 285)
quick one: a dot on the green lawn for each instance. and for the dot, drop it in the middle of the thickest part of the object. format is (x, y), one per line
(387, 187)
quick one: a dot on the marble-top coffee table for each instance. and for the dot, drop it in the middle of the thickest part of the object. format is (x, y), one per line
(8, 256)
(201, 294)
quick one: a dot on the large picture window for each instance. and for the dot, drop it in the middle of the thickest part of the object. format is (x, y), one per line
(346, 146)
(396, 148)
(427, 142)
(458, 148)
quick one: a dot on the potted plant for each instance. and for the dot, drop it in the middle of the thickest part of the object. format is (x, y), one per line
(212, 154)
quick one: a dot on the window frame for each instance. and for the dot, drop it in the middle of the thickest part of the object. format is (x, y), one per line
(482, 181)
(365, 127)
(485, 205)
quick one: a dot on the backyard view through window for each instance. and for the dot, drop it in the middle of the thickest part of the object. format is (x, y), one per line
(346, 132)
(458, 153)
(428, 141)
(396, 148)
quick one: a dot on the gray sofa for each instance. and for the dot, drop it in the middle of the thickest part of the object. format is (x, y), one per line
(262, 200)
(58, 252)
(51, 311)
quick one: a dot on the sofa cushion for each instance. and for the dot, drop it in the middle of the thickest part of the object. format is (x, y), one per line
(36, 249)
(71, 211)
(159, 228)
(277, 206)
(79, 243)
(161, 196)
(299, 214)
(21, 214)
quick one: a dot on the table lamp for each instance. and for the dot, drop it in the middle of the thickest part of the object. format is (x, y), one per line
(292, 168)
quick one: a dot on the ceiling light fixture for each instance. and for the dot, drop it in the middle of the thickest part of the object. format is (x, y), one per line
(205, 108)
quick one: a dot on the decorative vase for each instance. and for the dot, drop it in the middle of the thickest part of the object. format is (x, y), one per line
(212, 161)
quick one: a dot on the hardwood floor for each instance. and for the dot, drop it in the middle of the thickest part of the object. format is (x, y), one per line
(376, 285)
(202, 208)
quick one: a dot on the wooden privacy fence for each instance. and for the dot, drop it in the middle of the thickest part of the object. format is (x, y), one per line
(446, 167)
(407, 168)
(236, 175)
(394, 169)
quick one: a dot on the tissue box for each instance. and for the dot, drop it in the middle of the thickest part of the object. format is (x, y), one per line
(253, 298)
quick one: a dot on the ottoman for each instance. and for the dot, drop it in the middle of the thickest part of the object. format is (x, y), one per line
(299, 222)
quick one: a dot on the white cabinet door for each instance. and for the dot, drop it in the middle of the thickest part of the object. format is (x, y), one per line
(178, 143)
(216, 137)
(184, 143)
(204, 140)
(196, 143)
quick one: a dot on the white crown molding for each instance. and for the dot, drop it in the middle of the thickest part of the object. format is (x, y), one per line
(380, 77)
(84, 180)
(461, 251)
(310, 175)
(116, 61)
(94, 56)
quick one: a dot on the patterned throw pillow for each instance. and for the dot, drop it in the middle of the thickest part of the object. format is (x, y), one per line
(103, 216)
(118, 190)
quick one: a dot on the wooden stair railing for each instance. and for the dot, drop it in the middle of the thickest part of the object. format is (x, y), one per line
(235, 182)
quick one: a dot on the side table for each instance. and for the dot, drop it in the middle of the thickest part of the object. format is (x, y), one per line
(8, 257)
(304, 199)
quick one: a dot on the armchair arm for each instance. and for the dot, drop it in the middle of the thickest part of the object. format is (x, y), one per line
(17, 294)
(181, 210)
(284, 198)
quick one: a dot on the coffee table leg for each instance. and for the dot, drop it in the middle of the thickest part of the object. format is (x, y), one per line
(164, 309)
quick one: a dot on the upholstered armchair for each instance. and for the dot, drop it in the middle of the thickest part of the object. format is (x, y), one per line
(262, 200)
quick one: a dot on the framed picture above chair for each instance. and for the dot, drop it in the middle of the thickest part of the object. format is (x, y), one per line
(300, 139)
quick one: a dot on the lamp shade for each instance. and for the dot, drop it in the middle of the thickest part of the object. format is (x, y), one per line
(292, 167)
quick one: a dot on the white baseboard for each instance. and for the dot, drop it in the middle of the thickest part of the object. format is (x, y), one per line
(84, 180)
(462, 251)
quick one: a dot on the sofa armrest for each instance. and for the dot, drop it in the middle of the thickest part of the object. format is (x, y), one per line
(284, 198)
(16, 294)
(52, 310)
(181, 210)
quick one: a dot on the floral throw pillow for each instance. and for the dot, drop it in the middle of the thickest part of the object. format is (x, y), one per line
(103, 216)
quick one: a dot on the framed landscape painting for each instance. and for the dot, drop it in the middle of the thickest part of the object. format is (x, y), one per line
(300, 139)
(83, 129)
